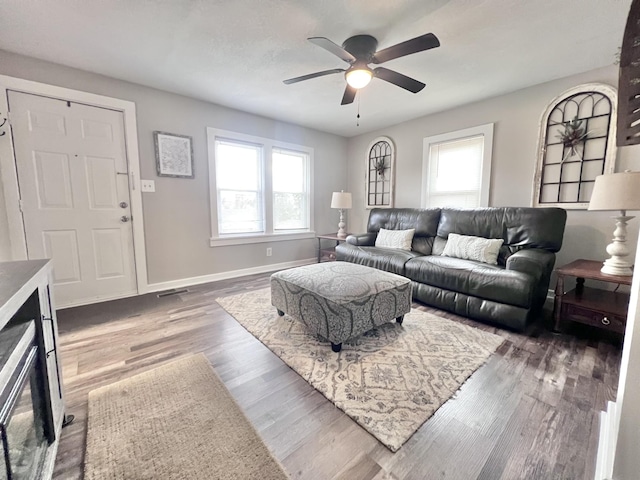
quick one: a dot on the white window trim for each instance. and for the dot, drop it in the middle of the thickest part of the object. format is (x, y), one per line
(487, 132)
(217, 240)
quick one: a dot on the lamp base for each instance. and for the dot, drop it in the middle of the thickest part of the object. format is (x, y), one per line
(342, 233)
(617, 265)
(614, 267)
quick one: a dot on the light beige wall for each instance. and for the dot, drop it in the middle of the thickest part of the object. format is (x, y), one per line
(516, 117)
(176, 217)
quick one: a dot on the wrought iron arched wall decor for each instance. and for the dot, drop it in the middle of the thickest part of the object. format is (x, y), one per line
(577, 143)
(380, 171)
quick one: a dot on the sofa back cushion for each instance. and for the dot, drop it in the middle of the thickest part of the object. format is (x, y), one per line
(424, 221)
(519, 227)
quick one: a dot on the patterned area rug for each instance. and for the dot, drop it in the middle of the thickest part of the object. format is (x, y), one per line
(390, 380)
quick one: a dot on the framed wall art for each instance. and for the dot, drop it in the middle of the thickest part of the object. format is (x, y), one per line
(576, 144)
(174, 155)
(379, 172)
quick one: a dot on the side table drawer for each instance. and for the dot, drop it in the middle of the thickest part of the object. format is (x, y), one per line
(595, 319)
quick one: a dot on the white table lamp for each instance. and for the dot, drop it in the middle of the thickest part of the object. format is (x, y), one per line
(342, 201)
(617, 191)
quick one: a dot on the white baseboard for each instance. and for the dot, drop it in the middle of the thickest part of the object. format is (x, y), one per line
(606, 442)
(214, 277)
(95, 300)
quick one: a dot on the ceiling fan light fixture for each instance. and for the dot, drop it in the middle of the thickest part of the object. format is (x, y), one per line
(359, 77)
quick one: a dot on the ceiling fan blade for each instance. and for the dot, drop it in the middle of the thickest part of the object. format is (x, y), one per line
(334, 48)
(289, 81)
(415, 45)
(349, 95)
(398, 79)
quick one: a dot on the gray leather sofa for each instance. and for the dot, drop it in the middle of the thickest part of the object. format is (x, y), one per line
(510, 293)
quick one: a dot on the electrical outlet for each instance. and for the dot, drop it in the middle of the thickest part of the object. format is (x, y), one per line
(148, 186)
(269, 251)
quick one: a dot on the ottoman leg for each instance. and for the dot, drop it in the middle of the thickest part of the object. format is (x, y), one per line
(280, 312)
(400, 319)
(336, 348)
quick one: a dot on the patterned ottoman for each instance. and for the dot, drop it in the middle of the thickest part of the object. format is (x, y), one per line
(340, 300)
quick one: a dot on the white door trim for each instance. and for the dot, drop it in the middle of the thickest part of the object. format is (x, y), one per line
(10, 177)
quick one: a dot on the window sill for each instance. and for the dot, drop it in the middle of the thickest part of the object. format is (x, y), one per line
(262, 238)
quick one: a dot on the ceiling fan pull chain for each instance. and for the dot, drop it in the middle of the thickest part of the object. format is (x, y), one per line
(358, 116)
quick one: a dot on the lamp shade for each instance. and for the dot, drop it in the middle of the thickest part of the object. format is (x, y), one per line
(616, 191)
(341, 200)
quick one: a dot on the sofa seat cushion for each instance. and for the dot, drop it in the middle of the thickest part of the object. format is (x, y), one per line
(387, 259)
(490, 282)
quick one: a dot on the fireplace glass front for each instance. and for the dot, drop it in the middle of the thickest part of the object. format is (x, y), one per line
(23, 440)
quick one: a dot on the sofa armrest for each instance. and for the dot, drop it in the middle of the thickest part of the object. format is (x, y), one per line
(362, 239)
(533, 261)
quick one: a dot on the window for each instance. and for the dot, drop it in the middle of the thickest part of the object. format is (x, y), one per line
(261, 189)
(456, 168)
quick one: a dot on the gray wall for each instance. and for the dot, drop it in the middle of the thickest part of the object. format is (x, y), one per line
(176, 216)
(516, 117)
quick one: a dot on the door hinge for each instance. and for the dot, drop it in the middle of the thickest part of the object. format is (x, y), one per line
(21, 205)
(5, 121)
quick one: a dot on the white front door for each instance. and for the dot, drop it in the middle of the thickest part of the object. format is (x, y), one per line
(74, 190)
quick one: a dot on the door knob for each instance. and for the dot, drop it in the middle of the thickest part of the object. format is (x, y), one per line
(124, 204)
(124, 219)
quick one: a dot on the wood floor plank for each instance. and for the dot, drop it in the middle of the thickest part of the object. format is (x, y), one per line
(530, 412)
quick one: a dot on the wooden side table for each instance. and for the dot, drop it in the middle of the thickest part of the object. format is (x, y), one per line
(592, 306)
(328, 254)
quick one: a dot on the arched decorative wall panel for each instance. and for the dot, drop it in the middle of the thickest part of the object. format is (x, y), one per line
(576, 144)
(380, 172)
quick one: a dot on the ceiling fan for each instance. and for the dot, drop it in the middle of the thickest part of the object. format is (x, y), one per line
(359, 51)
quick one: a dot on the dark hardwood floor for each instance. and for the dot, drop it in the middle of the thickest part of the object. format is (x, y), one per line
(531, 412)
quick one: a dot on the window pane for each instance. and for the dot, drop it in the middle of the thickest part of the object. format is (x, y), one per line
(290, 211)
(456, 166)
(290, 191)
(288, 171)
(239, 212)
(237, 166)
(238, 181)
(457, 200)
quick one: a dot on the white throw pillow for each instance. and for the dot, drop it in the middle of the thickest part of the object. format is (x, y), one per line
(400, 239)
(473, 248)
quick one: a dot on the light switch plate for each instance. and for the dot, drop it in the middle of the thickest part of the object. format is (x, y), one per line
(147, 185)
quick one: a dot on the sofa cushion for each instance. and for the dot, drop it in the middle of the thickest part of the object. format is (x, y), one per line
(400, 239)
(490, 282)
(519, 227)
(467, 247)
(390, 260)
(425, 223)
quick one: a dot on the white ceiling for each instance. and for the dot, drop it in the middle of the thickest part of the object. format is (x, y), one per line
(237, 52)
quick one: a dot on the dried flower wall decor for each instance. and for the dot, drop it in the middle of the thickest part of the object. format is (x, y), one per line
(572, 136)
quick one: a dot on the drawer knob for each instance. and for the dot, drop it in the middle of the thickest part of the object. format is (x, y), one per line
(606, 321)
